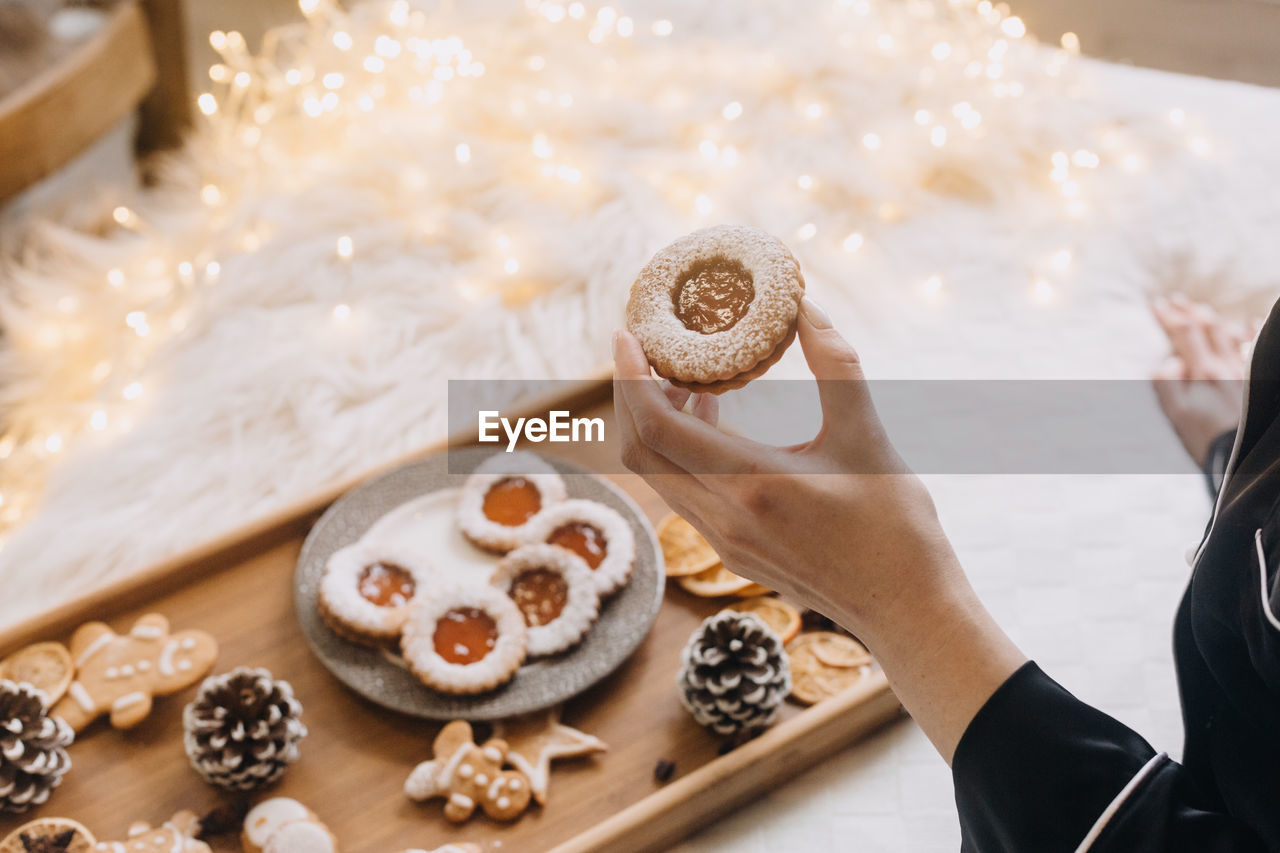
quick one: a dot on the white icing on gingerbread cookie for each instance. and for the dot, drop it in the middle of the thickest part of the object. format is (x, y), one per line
(503, 794)
(176, 835)
(120, 674)
(282, 825)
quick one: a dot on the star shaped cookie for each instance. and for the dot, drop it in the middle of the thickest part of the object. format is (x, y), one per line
(534, 741)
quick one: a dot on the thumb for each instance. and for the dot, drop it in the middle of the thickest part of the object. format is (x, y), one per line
(842, 387)
(849, 416)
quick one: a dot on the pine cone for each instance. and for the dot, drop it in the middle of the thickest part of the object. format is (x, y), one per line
(243, 729)
(735, 673)
(33, 748)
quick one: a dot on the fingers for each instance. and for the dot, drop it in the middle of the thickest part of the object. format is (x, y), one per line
(706, 408)
(629, 360)
(678, 396)
(635, 456)
(1221, 335)
(690, 443)
(842, 388)
(829, 355)
(1187, 331)
(1171, 369)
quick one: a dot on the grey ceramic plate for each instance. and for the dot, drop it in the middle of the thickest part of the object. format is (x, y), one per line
(625, 618)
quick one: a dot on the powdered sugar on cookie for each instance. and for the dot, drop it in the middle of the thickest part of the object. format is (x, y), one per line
(554, 590)
(716, 304)
(369, 588)
(595, 532)
(504, 494)
(465, 639)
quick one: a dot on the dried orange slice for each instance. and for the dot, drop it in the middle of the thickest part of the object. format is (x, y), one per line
(686, 552)
(776, 613)
(835, 649)
(714, 582)
(812, 686)
(45, 666)
(813, 678)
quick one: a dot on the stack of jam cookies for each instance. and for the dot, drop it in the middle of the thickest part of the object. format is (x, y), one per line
(561, 558)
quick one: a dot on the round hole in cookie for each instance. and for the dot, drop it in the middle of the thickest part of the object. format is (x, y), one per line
(541, 595)
(512, 501)
(386, 585)
(585, 540)
(713, 295)
(465, 635)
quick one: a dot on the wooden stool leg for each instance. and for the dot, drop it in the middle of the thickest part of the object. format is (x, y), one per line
(166, 113)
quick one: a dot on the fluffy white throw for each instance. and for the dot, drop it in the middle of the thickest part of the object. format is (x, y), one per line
(373, 207)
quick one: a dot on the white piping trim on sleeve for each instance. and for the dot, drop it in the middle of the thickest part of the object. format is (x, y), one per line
(1110, 811)
(1262, 571)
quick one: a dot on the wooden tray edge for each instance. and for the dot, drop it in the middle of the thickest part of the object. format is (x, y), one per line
(204, 558)
(713, 790)
(115, 63)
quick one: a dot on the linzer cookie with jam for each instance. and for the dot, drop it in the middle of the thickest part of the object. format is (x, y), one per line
(504, 494)
(596, 533)
(717, 308)
(465, 639)
(554, 590)
(368, 589)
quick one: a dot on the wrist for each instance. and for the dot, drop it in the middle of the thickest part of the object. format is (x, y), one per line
(919, 586)
(943, 653)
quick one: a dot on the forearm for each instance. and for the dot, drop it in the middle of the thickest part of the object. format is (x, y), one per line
(943, 653)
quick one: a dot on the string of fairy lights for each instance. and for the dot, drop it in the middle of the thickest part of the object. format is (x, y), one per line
(523, 107)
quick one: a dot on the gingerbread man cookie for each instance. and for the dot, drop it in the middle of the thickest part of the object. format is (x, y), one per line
(282, 825)
(120, 674)
(469, 776)
(177, 835)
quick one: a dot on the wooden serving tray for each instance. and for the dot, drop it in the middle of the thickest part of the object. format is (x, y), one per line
(60, 112)
(357, 756)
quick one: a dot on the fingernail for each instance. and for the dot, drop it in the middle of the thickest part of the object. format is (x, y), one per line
(814, 313)
(613, 345)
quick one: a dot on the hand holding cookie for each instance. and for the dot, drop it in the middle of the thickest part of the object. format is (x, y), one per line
(838, 524)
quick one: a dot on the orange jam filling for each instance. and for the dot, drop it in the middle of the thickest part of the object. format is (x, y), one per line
(512, 502)
(541, 595)
(713, 295)
(465, 635)
(582, 539)
(386, 585)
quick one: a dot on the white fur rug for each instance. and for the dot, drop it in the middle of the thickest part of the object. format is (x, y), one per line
(286, 366)
(215, 355)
